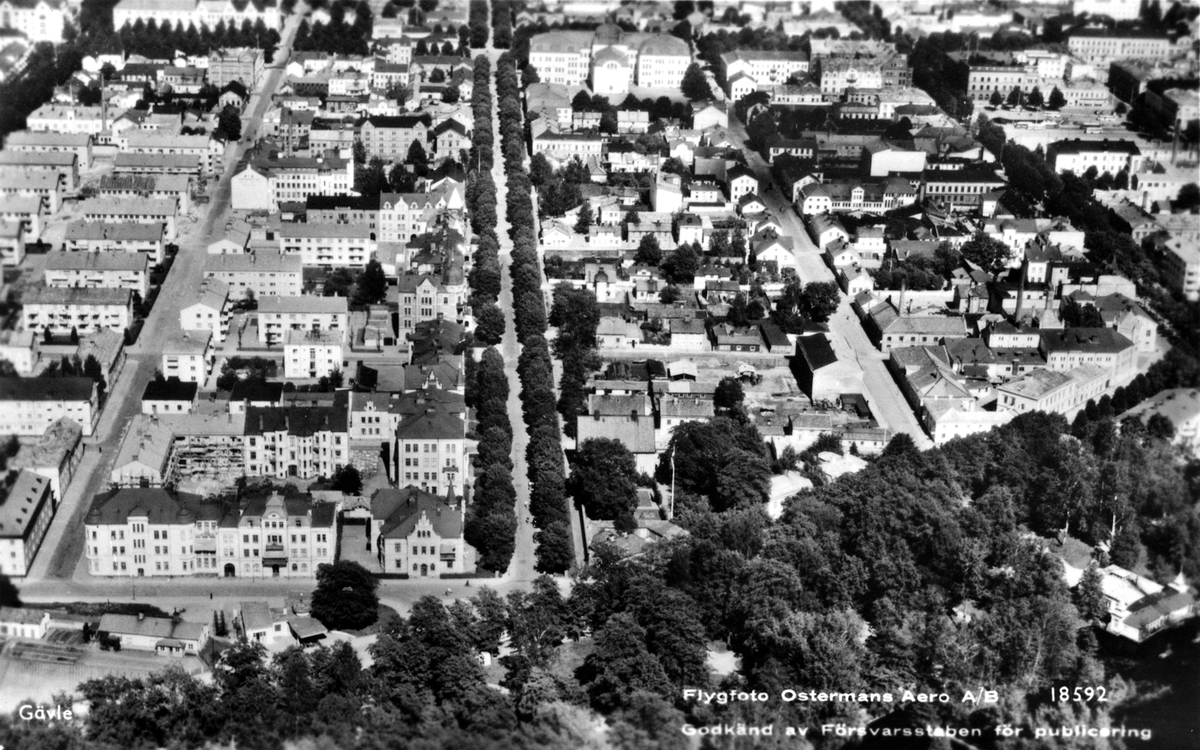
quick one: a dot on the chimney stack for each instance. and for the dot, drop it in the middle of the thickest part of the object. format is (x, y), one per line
(1021, 290)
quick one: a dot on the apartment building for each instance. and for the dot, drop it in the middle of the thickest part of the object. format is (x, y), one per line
(280, 537)
(312, 354)
(31, 142)
(29, 406)
(300, 442)
(390, 137)
(98, 271)
(49, 186)
(28, 212)
(210, 312)
(278, 315)
(65, 163)
(262, 273)
(144, 532)
(431, 450)
(263, 186)
(158, 186)
(205, 148)
(62, 310)
(26, 508)
(12, 243)
(327, 245)
(342, 209)
(420, 533)
(160, 211)
(188, 164)
(188, 355)
(403, 216)
(1182, 261)
(99, 237)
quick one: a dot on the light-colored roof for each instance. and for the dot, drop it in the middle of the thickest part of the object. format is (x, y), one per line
(302, 304)
(49, 295)
(67, 261)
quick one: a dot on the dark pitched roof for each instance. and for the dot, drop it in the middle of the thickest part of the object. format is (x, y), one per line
(159, 505)
(816, 351)
(348, 202)
(399, 510)
(399, 121)
(256, 390)
(431, 423)
(46, 389)
(294, 420)
(1095, 340)
(171, 389)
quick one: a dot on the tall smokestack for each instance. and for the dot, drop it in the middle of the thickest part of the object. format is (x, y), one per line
(903, 289)
(1021, 290)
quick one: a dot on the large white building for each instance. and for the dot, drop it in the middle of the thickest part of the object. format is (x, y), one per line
(183, 13)
(160, 211)
(286, 441)
(327, 245)
(262, 273)
(278, 315)
(210, 312)
(420, 533)
(62, 310)
(98, 271)
(144, 532)
(612, 59)
(263, 186)
(39, 20)
(29, 406)
(312, 354)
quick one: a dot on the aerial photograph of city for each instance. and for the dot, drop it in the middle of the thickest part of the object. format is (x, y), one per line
(599, 374)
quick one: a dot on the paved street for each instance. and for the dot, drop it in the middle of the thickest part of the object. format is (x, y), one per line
(521, 569)
(846, 333)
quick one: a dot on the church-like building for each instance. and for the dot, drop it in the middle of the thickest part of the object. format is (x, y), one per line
(610, 59)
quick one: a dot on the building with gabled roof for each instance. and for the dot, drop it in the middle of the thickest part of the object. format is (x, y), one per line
(26, 509)
(431, 449)
(295, 441)
(419, 533)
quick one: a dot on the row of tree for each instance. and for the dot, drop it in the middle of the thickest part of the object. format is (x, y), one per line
(478, 22)
(502, 24)
(337, 36)
(491, 526)
(544, 460)
(491, 519)
(156, 42)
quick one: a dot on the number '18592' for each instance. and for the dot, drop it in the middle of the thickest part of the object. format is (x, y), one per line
(1066, 694)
